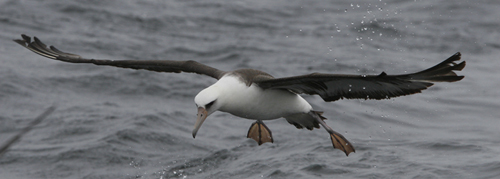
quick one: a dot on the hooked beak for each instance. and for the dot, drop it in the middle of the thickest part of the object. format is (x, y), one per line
(202, 115)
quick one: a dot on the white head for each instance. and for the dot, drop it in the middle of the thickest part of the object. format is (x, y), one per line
(207, 103)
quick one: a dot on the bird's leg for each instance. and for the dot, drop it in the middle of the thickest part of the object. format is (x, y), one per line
(260, 133)
(338, 140)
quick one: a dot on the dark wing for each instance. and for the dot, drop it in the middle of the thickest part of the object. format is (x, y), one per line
(154, 65)
(332, 87)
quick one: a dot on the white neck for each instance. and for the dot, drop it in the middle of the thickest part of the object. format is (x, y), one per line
(251, 102)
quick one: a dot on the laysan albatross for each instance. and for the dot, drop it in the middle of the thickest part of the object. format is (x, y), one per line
(256, 95)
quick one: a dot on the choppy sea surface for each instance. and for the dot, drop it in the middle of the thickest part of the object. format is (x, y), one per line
(122, 123)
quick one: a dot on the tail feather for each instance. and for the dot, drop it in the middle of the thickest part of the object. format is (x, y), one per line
(305, 120)
(320, 114)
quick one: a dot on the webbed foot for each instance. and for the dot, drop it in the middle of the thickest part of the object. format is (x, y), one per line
(338, 140)
(260, 133)
(341, 143)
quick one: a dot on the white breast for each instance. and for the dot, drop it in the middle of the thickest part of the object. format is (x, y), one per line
(254, 103)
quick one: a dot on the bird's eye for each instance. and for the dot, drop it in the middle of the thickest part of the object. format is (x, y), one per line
(209, 104)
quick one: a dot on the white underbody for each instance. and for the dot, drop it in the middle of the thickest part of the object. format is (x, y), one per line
(252, 102)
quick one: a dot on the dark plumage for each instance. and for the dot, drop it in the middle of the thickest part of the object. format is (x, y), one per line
(256, 95)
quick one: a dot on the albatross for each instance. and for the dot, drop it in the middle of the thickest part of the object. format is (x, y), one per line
(256, 95)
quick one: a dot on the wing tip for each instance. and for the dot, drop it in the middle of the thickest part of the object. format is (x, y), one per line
(37, 46)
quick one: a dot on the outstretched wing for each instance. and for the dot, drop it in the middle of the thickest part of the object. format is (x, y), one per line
(154, 65)
(333, 87)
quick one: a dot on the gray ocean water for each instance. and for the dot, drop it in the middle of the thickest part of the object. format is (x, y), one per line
(121, 123)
